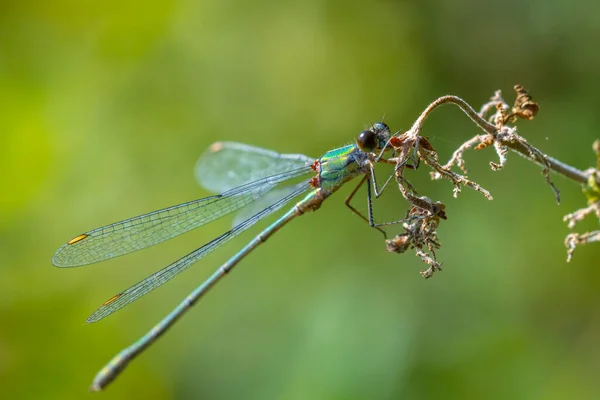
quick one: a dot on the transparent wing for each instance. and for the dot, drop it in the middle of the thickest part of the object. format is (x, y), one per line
(158, 278)
(272, 197)
(146, 230)
(226, 165)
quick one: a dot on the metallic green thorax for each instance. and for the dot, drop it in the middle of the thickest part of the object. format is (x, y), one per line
(338, 166)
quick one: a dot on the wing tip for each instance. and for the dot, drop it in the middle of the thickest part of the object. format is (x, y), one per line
(101, 311)
(94, 317)
(57, 259)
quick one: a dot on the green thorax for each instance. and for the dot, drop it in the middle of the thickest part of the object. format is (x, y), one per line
(338, 166)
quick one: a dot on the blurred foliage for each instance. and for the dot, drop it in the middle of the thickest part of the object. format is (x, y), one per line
(105, 107)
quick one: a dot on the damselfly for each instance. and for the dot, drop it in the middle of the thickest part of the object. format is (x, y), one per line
(244, 174)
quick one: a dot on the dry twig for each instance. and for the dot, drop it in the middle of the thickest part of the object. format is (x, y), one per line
(412, 149)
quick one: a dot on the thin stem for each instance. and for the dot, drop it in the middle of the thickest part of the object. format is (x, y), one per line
(460, 103)
(552, 163)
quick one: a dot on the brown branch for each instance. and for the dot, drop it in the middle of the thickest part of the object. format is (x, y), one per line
(489, 128)
(410, 148)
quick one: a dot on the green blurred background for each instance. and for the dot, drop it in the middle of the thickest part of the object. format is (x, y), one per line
(106, 106)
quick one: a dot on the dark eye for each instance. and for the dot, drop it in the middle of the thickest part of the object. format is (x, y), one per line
(366, 141)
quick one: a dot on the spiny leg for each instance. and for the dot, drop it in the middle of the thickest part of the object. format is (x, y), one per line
(351, 196)
(378, 193)
(355, 211)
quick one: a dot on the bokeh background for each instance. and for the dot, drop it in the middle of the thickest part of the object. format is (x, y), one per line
(106, 106)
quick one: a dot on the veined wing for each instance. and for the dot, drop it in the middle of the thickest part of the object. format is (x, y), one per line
(264, 202)
(160, 277)
(226, 165)
(149, 229)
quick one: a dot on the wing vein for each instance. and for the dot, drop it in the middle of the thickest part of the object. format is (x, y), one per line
(167, 273)
(155, 227)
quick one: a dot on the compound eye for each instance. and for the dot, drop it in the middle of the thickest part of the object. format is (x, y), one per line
(380, 127)
(366, 141)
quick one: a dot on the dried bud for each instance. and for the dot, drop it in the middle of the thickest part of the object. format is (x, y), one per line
(524, 106)
(423, 142)
(399, 244)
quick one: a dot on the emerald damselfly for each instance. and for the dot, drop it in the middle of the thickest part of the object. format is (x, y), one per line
(245, 176)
